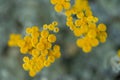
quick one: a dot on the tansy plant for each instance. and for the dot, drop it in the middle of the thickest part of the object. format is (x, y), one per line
(80, 20)
(39, 43)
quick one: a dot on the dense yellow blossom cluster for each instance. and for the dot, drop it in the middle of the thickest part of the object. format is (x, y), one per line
(39, 45)
(80, 20)
(61, 4)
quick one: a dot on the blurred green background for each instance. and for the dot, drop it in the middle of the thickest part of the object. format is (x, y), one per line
(99, 64)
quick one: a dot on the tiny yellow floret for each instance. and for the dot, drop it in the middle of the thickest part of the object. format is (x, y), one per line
(51, 38)
(102, 27)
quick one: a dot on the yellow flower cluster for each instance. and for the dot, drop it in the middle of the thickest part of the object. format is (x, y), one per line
(84, 26)
(13, 39)
(80, 20)
(38, 44)
(61, 4)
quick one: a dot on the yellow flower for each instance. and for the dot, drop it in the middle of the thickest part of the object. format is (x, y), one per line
(48, 45)
(84, 28)
(56, 48)
(35, 34)
(69, 23)
(102, 39)
(57, 54)
(80, 42)
(35, 28)
(101, 27)
(51, 53)
(51, 59)
(94, 42)
(44, 52)
(35, 52)
(47, 63)
(92, 26)
(51, 38)
(78, 32)
(54, 23)
(66, 5)
(51, 27)
(27, 39)
(45, 26)
(86, 49)
(40, 46)
(28, 30)
(26, 59)
(53, 1)
(68, 13)
(44, 33)
(34, 41)
(23, 50)
(43, 40)
(78, 22)
(80, 15)
(92, 33)
(21, 43)
(25, 66)
(32, 73)
(58, 7)
(56, 29)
